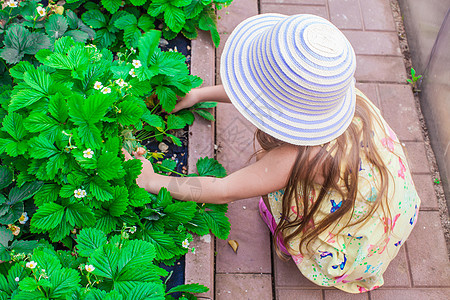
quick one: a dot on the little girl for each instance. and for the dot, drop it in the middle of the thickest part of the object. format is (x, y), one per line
(340, 198)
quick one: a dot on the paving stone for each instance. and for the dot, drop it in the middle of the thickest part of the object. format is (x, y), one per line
(397, 273)
(417, 157)
(290, 294)
(287, 275)
(287, 9)
(427, 252)
(370, 90)
(297, 2)
(243, 287)
(410, 294)
(238, 11)
(425, 189)
(200, 265)
(252, 234)
(377, 15)
(219, 50)
(373, 42)
(399, 110)
(380, 69)
(345, 14)
(340, 295)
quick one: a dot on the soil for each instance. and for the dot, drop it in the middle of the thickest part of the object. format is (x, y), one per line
(439, 190)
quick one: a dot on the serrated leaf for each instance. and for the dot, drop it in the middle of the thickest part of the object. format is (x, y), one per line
(18, 70)
(148, 290)
(112, 5)
(109, 166)
(146, 23)
(167, 97)
(24, 97)
(11, 55)
(175, 139)
(181, 212)
(132, 168)
(28, 284)
(58, 108)
(55, 164)
(79, 215)
(6, 176)
(19, 194)
(152, 120)
(37, 122)
(174, 18)
(164, 245)
(78, 35)
(125, 21)
(63, 282)
(189, 288)
(6, 236)
(56, 26)
(13, 214)
(89, 240)
(26, 247)
(118, 205)
(204, 114)
(131, 36)
(147, 45)
(105, 260)
(210, 167)
(42, 148)
(193, 9)
(13, 124)
(48, 193)
(175, 122)
(138, 2)
(35, 42)
(187, 116)
(129, 113)
(106, 222)
(47, 217)
(94, 18)
(138, 196)
(100, 189)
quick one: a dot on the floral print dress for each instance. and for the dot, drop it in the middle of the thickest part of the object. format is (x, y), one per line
(355, 259)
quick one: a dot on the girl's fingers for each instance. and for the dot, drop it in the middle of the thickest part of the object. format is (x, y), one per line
(127, 155)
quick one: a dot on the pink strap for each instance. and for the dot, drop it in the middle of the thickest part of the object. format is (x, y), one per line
(270, 222)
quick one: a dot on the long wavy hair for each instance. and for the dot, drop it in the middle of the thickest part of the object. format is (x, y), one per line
(339, 163)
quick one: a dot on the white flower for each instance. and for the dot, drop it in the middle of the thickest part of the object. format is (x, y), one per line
(185, 243)
(17, 279)
(79, 193)
(133, 50)
(132, 73)
(41, 11)
(31, 264)
(106, 90)
(137, 63)
(98, 85)
(13, 3)
(88, 153)
(120, 82)
(89, 268)
(23, 218)
(133, 229)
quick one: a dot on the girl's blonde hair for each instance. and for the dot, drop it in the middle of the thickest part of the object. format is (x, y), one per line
(340, 163)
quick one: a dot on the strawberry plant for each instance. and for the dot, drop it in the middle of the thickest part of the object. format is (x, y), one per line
(100, 268)
(65, 125)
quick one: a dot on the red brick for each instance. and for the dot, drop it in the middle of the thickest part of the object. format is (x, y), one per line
(243, 287)
(287, 275)
(399, 110)
(425, 189)
(373, 42)
(291, 9)
(345, 14)
(410, 294)
(397, 273)
(370, 90)
(291, 294)
(252, 234)
(340, 295)
(427, 252)
(380, 69)
(377, 15)
(238, 11)
(417, 157)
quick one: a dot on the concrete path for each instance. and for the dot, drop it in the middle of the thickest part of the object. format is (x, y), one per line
(420, 271)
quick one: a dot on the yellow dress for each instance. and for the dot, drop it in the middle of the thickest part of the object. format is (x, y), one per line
(355, 259)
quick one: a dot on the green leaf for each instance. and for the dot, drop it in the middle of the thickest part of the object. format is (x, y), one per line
(25, 247)
(138, 2)
(106, 222)
(210, 167)
(205, 114)
(13, 125)
(42, 148)
(79, 215)
(129, 113)
(48, 193)
(18, 70)
(109, 166)
(37, 122)
(56, 26)
(28, 284)
(147, 290)
(138, 196)
(180, 212)
(174, 139)
(89, 240)
(90, 135)
(147, 45)
(204, 105)
(55, 164)
(112, 5)
(11, 55)
(100, 189)
(6, 236)
(152, 120)
(146, 22)
(78, 35)
(19, 194)
(193, 9)
(24, 97)
(131, 36)
(13, 214)
(164, 245)
(105, 259)
(58, 108)
(6, 176)
(189, 288)
(35, 42)
(187, 116)
(63, 281)
(125, 21)
(118, 205)
(15, 38)
(175, 122)
(38, 80)
(104, 38)
(94, 18)
(47, 217)
(90, 110)
(167, 97)
(174, 18)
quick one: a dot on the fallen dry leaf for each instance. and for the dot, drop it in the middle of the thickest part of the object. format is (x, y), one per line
(233, 244)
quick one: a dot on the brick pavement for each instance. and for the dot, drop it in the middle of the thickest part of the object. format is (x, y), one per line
(421, 270)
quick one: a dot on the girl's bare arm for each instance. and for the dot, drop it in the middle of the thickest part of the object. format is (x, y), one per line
(268, 174)
(214, 93)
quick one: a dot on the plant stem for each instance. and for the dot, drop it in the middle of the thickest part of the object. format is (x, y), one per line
(153, 109)
(182, 175)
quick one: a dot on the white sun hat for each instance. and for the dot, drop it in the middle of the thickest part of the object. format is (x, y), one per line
(291, 76)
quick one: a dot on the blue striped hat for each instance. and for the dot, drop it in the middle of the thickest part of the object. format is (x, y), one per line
(291, 76)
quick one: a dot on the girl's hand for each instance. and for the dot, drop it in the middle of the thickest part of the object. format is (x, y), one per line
(187, 101)
(147, 173)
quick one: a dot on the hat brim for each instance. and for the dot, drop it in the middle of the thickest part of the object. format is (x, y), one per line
(262, 106)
